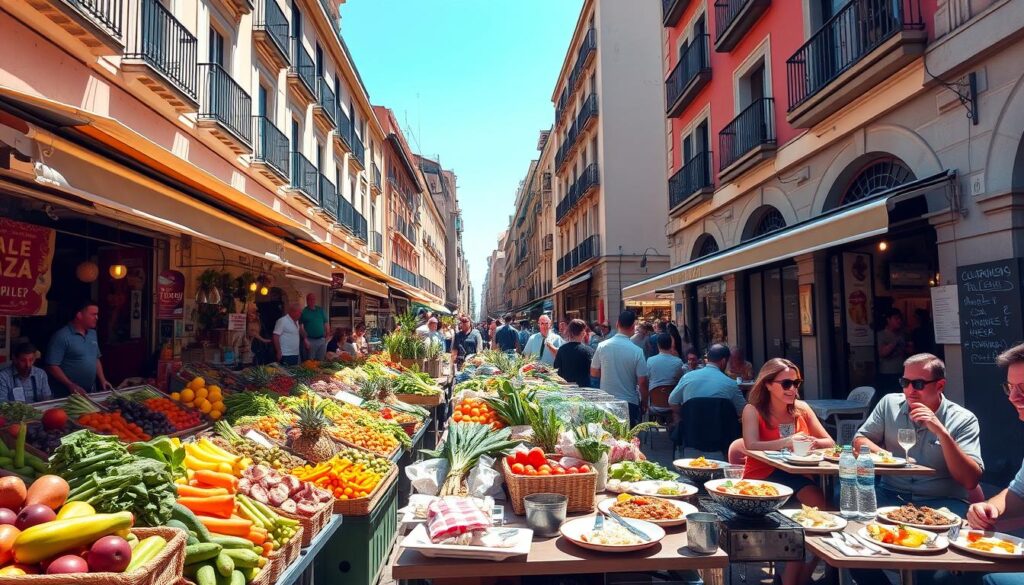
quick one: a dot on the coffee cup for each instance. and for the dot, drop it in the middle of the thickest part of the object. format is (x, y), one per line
(802, 447)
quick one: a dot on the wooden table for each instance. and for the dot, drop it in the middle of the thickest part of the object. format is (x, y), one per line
(558, 556)
(948, 560)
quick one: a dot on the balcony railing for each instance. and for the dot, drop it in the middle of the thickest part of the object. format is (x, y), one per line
(270, 145)
(106, 13)
(165, 44)
(377, 242)
(347, 214)
(302, 65)
(304, 177)
(589, 248)
(590, 178)
(431, 287)
(671, 10)
(733, 18)
(685, 80)
(753, 127)
(406, 276)
(360, 228)
(376, 176)
(694, 176)
(587, 113)
(850, 35)
(328, 195)
(223, 100)
(326, 99)
(344, 129)
(358, 150)
(271, 19)
(406, 229)
(587, 48)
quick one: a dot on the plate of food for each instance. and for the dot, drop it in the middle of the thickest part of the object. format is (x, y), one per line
(921, 517)
(618, 486)
(989, 544)
(496, 544)
(809, 460)
(815, 520)
(611, 536)
(886, 459)
(904, 538)
(700, 468)
(832, 453)
(662, 489)
(748, 497)
(658, 511)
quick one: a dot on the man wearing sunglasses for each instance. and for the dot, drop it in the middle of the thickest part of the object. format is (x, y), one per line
(947, 439)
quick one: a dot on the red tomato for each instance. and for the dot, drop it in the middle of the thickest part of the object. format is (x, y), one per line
(531, 470)
(537, 457)
(558, 470)
(511, 460)
(544, 469)
(584, 469)
(518, 468)
(522, 457)
(572, 470)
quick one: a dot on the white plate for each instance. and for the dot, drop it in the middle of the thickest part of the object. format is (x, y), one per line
(419, 541)
(574, 529)
(650, 488)
(941, 543)
(685, 464)
(895, 462)
(618, 486)
(839, 522)
(996, 553)
(809, 460)
(880, 514)
(684, 509)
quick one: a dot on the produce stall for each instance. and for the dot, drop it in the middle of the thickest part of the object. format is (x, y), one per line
(228, 478)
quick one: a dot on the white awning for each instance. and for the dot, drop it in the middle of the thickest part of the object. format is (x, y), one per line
(573, 282)
(861, 221)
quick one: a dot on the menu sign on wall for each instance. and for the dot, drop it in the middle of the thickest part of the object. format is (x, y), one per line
(858, 302)
(170, 291)
(990, 322)
(26, 251)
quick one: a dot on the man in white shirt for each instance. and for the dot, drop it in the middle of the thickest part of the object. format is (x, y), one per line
(544, 345)
(288, 336)
(621, 366)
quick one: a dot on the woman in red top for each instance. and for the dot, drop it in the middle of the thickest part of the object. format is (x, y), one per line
(773, 402)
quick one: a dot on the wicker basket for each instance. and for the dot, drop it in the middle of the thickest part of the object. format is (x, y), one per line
(348, 445)
(164, 569)
(579, 487)
(363, 506)
(311, 525)
(281, 558)
(420, 400)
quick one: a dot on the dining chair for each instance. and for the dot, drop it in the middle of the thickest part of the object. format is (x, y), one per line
(861, 395)
(658, 408)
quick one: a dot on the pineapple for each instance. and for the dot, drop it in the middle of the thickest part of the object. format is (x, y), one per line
(309, 438)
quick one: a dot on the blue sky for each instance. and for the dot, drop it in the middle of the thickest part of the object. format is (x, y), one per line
(471, 81)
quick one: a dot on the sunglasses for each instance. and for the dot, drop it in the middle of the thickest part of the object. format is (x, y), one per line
(1009, 388)
(787, 384)
(918, 384)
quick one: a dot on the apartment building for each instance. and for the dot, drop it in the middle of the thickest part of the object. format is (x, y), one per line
(608, 158)
(817, 181)
(494, 301)
(232, 136)
(433, 271)
(441, 183)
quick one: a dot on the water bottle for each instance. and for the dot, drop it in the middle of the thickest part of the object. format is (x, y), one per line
(848, 483)
(866, 503)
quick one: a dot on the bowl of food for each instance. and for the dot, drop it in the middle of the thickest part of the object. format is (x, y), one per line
(749, 497)
(700, 469)
(658, 511)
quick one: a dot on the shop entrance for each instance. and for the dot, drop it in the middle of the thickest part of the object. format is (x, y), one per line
(775, 315)
(708, 312)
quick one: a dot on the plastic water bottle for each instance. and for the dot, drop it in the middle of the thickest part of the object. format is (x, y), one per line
(848, 483)
(866, 503)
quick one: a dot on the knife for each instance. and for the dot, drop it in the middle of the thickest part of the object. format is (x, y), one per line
(869, 545)
(629, 526)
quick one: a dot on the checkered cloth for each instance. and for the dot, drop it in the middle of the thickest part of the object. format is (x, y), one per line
(453, 517)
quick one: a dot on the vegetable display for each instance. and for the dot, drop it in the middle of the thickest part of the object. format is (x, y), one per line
(347, 476)
(466, 443)
(639, 471)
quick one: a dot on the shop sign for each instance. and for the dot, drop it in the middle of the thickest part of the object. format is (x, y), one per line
(857, 275)
(946, 314)
(170, 290)
(236, 321)
(337, 280)
(26, 252)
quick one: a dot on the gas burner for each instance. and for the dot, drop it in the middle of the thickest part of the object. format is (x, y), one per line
(757, 538)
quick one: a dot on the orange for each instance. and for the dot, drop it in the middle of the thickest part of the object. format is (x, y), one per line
(215, 414)
(175, 396)
(197, 383)
(188, 395)
(202, 393)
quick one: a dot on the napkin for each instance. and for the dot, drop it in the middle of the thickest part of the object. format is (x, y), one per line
(456, 521)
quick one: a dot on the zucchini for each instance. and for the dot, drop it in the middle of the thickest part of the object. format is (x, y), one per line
(244, 558)
(225, 564)
(186, 517)
(192, 540)
(237, 578)
(145, 551)
(172, 523)
(231, 541)
(197, 553)
(206, 575)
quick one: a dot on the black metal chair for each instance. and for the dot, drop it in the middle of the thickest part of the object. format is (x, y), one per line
(708, 424)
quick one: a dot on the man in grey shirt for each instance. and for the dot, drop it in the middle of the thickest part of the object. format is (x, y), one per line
(664, 368)
(621, 367)
(947, 439)
(709, 382)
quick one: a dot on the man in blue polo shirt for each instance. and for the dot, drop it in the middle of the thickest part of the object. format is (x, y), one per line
(73, 355)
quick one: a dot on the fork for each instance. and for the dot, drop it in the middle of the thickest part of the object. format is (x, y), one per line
(598, 522)
(856, 545)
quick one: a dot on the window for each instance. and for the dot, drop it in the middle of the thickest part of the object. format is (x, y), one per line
(319, 60)
(261, 101)
(296, 22)
(877, 177)
(216, 54)
(765, 221)
(705, 246)
(296, 142)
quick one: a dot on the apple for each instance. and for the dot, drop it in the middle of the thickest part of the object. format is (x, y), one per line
(8, 516)
(67, 564)
(34, 514)
(109, 554)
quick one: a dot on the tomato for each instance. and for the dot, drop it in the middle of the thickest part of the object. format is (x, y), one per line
(974, 536)
(584, 469)
(518, 468)
(531, 470)
(572, 470)
(544, 469)
(558, 470)
(537, 457)
(522, 457)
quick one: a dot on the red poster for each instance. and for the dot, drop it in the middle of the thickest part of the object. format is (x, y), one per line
(170, 292)
(26, 251)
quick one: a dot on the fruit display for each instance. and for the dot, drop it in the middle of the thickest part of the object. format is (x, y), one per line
(179, 417)
(361, 435)
(478, 411)
(273, 457)
(308, 438)
(115, 424)
(268, 425)
(346, 475)
(205, 455)
(282, 490)
(282, 385)
(535, 462)
(208, 400)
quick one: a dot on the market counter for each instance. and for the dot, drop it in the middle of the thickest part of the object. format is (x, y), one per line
(301, 571)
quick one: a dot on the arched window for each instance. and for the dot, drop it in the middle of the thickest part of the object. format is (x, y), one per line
(765, 220)
(878, 176)
(705, 246)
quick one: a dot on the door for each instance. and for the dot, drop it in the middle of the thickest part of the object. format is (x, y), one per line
(793, 350)
(265, 121)
(216, 47)
(296, 33)
(125, 311)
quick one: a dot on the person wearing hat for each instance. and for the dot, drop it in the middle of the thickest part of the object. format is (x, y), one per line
(433, 336)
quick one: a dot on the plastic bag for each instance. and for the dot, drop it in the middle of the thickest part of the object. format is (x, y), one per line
(483, 480)
(427, 476)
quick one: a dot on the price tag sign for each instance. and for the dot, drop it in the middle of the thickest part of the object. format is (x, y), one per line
(349, 398)
(259, 439)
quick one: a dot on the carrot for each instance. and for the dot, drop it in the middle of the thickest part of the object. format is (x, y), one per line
(217, 479)
(220, 506)
(189, 491)
(229, 526)
(256, 538)
(268, 547)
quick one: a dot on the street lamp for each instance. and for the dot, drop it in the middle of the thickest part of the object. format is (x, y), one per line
(643, 259)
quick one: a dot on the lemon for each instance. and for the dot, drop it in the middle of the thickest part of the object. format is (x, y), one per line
(197, 383)
(188, 395)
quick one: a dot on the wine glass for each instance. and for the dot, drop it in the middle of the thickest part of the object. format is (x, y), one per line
(906, 438)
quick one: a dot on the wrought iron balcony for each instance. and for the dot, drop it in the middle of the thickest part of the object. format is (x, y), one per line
(688, 77)
(326, 105)
(358, 151)
(590, 178)
(347, 214)
(406, 229)
(161, 53)
(328, 196)
(862, 44)
(588, 249)
(692, 179)
(733, 18)
(376, 177)
(431, 287)
(302, 73)
(588, 114)
(97, 24)
(343, 131)
(752, 131)
(587, 49)
(304, 177)
(376, 242)
(405, 275)
(270, 150)
(270, 33)
(672, 10)
(360, 228)
(225, 107)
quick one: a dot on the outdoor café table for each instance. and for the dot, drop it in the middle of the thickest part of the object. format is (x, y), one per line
(834, 408)
(827, 470)
(948, 560)
(558, 556)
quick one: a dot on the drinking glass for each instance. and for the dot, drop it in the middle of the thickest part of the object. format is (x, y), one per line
(733, 472)
(906, 438)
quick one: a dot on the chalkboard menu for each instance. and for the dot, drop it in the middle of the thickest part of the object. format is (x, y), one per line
(990, 322)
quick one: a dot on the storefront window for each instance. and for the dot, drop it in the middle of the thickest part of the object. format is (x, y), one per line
(775, 315)
(711, 314)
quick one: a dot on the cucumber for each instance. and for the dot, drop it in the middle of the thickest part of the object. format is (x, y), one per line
(206, 575)
(145, 551)
(244, 558)
(192, 540)
(186, 517)
(231, 541)
(225, 564)
(237, 578)
(204, 551)
(5, 461)
(172, 523)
